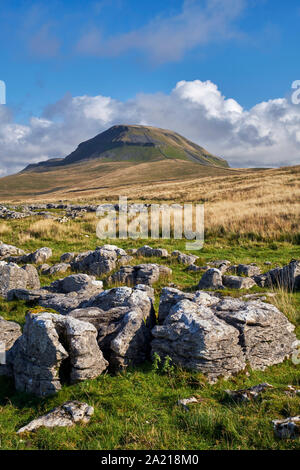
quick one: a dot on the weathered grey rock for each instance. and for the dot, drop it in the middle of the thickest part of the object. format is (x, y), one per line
(248, 270)
(57, 268)
(9, 333)
(147, 251)
(123, 260)
(248, 394)
(101, 261)
(62, 295)
(146, 274)
(196, 269)
(184, 258)
(192, 333)
(68, 414)
(43, 268)
(287, 277)
(123, 318)
(170, 297)
(266, 335)
(194, 338)
(11, 277)
(288, 428)
(9, 250)
(221, 264)
(52, 349)
(79, 282)
(67, 257)
(184, 402)
(33, 280)
(40, 256)
(211, 279)
(238, 282)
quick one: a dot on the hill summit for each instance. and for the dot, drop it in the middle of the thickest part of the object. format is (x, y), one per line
(134, 143)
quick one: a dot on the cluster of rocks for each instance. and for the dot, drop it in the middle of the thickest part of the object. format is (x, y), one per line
(10, 213)
(63, 295)
(248, 276)
(117, 327)
(111, 328)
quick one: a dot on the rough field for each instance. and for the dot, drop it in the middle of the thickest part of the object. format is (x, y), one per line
(137, 409)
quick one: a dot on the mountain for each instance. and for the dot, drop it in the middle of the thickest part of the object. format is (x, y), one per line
(117, 161)
(134, 143)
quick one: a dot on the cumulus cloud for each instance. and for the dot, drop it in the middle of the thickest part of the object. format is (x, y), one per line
(267, 135)
(167, 39)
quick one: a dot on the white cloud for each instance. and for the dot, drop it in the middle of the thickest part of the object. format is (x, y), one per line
(266, 135)
(168, 38)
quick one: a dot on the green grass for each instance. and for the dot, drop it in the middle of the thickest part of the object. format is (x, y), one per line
(138, 409)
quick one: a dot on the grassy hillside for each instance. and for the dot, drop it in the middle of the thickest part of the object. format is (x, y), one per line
(95, 178)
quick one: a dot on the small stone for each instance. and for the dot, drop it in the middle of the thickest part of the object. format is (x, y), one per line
(68, 414)
(288, 428)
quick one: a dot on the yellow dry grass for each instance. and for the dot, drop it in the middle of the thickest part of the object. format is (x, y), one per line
(262, 203)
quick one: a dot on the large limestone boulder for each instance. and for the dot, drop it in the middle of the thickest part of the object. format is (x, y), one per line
(195, 333)
(123, 318)
(9, 333)
(55, 349)
(194, 338)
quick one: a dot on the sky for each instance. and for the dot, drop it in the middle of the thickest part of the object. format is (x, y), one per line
(219, 72)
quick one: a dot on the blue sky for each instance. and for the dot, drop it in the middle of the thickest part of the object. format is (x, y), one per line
(124, 49)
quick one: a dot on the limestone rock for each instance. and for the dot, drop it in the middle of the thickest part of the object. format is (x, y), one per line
(146, 274)
(40, 256)
(266, 334)
(211, 279)
(9, 250)
(123, 318)
(33, 280)
(194, 334)
(52, 349)
(248, 394)
(238, 282)
(67, 257)
(9, 333)
(147, 251)
(11, 277)
(169, 297)
(68, 414)
(101, 261)
(194, 338)
(248, 270)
